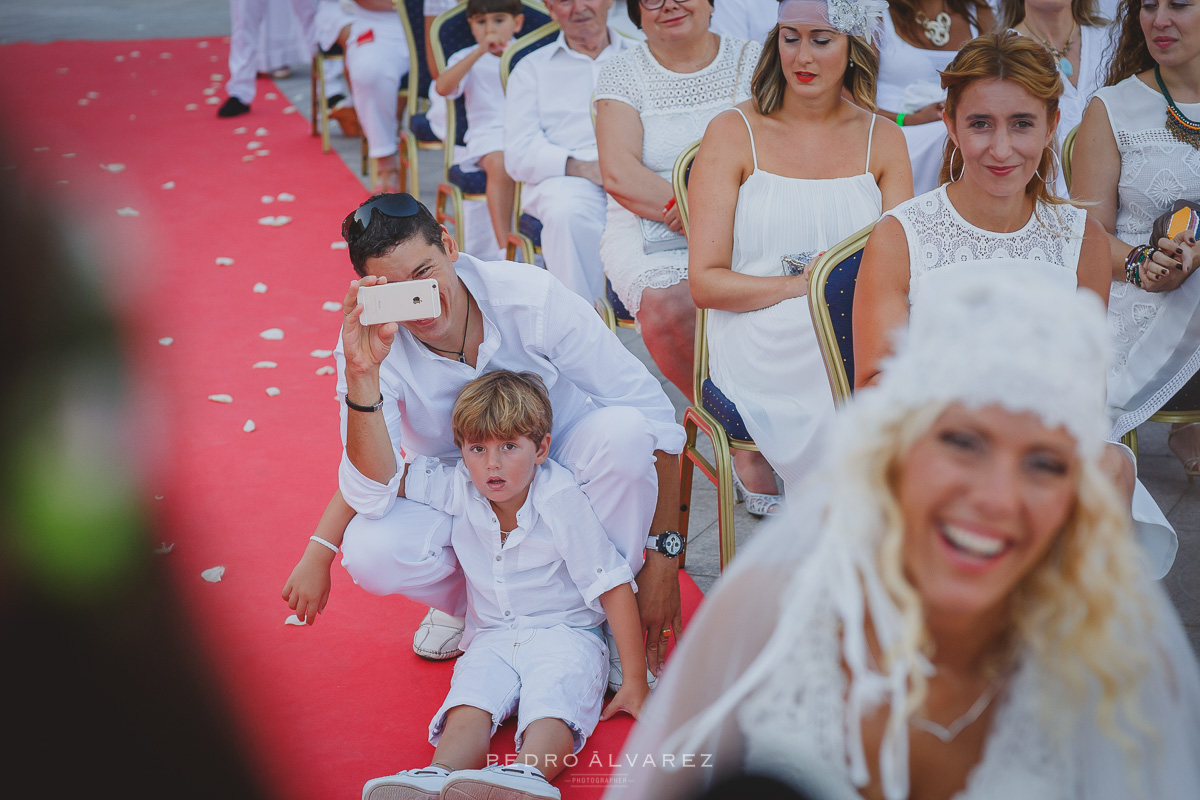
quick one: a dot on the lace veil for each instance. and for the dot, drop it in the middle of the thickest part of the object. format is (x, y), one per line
(971, 341)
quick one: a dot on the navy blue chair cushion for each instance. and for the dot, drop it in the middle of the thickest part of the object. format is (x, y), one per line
(839, 297)
(1187, 398)
(714, 401)
(423, 130)
(530, 47)
(619, 309)
(471, 182)
(415, 11)
(531, 226)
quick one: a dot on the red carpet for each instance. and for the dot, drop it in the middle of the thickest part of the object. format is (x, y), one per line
(322, 708)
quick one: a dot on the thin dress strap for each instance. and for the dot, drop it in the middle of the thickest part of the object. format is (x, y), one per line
(870, 133)
(749, 130)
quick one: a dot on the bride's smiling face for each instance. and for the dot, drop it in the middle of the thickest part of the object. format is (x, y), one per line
(1001, 131)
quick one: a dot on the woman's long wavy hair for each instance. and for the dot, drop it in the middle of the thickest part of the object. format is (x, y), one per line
(1006, 56)
(1073, 613)
(1011, 12)
(768, 84)
(1130, 55)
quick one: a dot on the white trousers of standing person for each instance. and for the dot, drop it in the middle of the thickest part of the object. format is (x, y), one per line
(572, 212)
(407, 551)
(246, 19)
(377, 60)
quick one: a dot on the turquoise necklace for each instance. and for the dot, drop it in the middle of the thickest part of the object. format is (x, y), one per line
(1064, 63)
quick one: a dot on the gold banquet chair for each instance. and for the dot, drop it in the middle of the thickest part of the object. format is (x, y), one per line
(319, 115)
(711, 412)
(830, 301)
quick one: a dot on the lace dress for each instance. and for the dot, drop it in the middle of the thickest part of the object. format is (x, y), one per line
(1156, 335)
(909, 80)
(675, 108)
(768, 361)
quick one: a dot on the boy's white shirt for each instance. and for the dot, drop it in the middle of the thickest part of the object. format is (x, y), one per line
(482, 91)
(552, 568)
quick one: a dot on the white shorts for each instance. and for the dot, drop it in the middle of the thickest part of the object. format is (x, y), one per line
(556, 673)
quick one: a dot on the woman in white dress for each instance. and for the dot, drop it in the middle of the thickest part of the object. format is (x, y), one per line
(961, 613)
(998, 214)
(920, 37)
(651, 102)
(758, 198)
(1135, 160)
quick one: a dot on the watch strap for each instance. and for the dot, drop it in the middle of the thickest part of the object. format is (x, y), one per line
(365, 409)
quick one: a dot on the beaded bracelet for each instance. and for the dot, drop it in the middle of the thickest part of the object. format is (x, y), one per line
(323, 543)
(1133, 262)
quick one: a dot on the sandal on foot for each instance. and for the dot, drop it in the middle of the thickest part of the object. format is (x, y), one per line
(758, 504)
(1189, 458)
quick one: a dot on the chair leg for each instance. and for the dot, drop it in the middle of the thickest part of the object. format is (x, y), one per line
(367, 163)
(1131, 440)
(605, 310)
(723, 461)
(322, 106)
(408, 164)
(312, 79)
(686, 474)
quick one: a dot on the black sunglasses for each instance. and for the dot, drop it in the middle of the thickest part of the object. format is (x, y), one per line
(390, 205)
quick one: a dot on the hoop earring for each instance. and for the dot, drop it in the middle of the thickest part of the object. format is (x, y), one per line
(964, 169)
(1055, 172)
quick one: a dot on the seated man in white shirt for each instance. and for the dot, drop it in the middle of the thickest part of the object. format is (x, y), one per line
(745, 19)
(550, 143)
(614, 428)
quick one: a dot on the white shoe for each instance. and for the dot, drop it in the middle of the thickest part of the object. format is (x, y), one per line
(410, 784)
(615, 676)
(438, 636)
(499, 782)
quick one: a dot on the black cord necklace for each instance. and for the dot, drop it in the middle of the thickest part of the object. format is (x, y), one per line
(461, 351)
(1182, 128)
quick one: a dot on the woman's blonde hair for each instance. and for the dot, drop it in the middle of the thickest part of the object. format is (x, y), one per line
(1011, 12)
(1069, 613)
(768, 85)
(1006, 56)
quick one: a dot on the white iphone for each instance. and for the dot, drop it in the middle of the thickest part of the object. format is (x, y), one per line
(399, 302)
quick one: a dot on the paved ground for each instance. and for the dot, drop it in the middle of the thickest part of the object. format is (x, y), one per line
(136, 19)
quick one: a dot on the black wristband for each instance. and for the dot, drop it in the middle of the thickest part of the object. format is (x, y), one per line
(365, 409)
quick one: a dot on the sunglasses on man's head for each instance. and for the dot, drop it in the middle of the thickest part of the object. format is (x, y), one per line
(390, 205)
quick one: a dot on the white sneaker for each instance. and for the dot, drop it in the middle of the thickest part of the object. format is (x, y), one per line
(499, 782)
(615, 676)
(438, 636)
(409, 784)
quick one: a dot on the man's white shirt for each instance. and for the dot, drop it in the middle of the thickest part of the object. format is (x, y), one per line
(531, 323)
(547, 116)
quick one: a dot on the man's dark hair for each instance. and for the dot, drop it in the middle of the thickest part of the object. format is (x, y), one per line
(477, 7)
(385, 233)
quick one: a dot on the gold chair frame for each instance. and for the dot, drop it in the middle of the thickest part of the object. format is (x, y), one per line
(831, 353)
(319, 115)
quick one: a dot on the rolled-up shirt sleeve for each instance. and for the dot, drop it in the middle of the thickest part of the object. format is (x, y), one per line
(366, 496)
(529, 155)
(593, 562)
(437, 485)
(590, 356)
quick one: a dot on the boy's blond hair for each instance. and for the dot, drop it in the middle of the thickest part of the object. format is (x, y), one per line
(502, 405)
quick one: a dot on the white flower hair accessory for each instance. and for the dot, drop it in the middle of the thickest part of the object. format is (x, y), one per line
(852, 17)
(1027, 344)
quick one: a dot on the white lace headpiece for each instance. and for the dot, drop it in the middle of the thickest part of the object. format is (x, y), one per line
(852, 17)
(1027, 345)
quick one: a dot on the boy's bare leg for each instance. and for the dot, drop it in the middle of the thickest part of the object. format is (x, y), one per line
(546, 744)
(500, 191)
(465, 739)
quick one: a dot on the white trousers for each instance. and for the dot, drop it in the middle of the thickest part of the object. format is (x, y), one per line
(407, 551)
(246, 25)
(572, 212)
(377, 59)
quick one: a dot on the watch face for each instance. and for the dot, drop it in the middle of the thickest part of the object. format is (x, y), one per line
(672, 543)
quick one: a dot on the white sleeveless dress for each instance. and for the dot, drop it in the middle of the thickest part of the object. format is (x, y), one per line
(1156, 335)
(768, 361)
(909, 80)
(941, 242)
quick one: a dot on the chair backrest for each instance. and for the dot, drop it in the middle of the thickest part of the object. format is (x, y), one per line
(534, 40)
(680, 174)
(412, 19)
(830, 300)
(451, 32)
(1068, 149)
